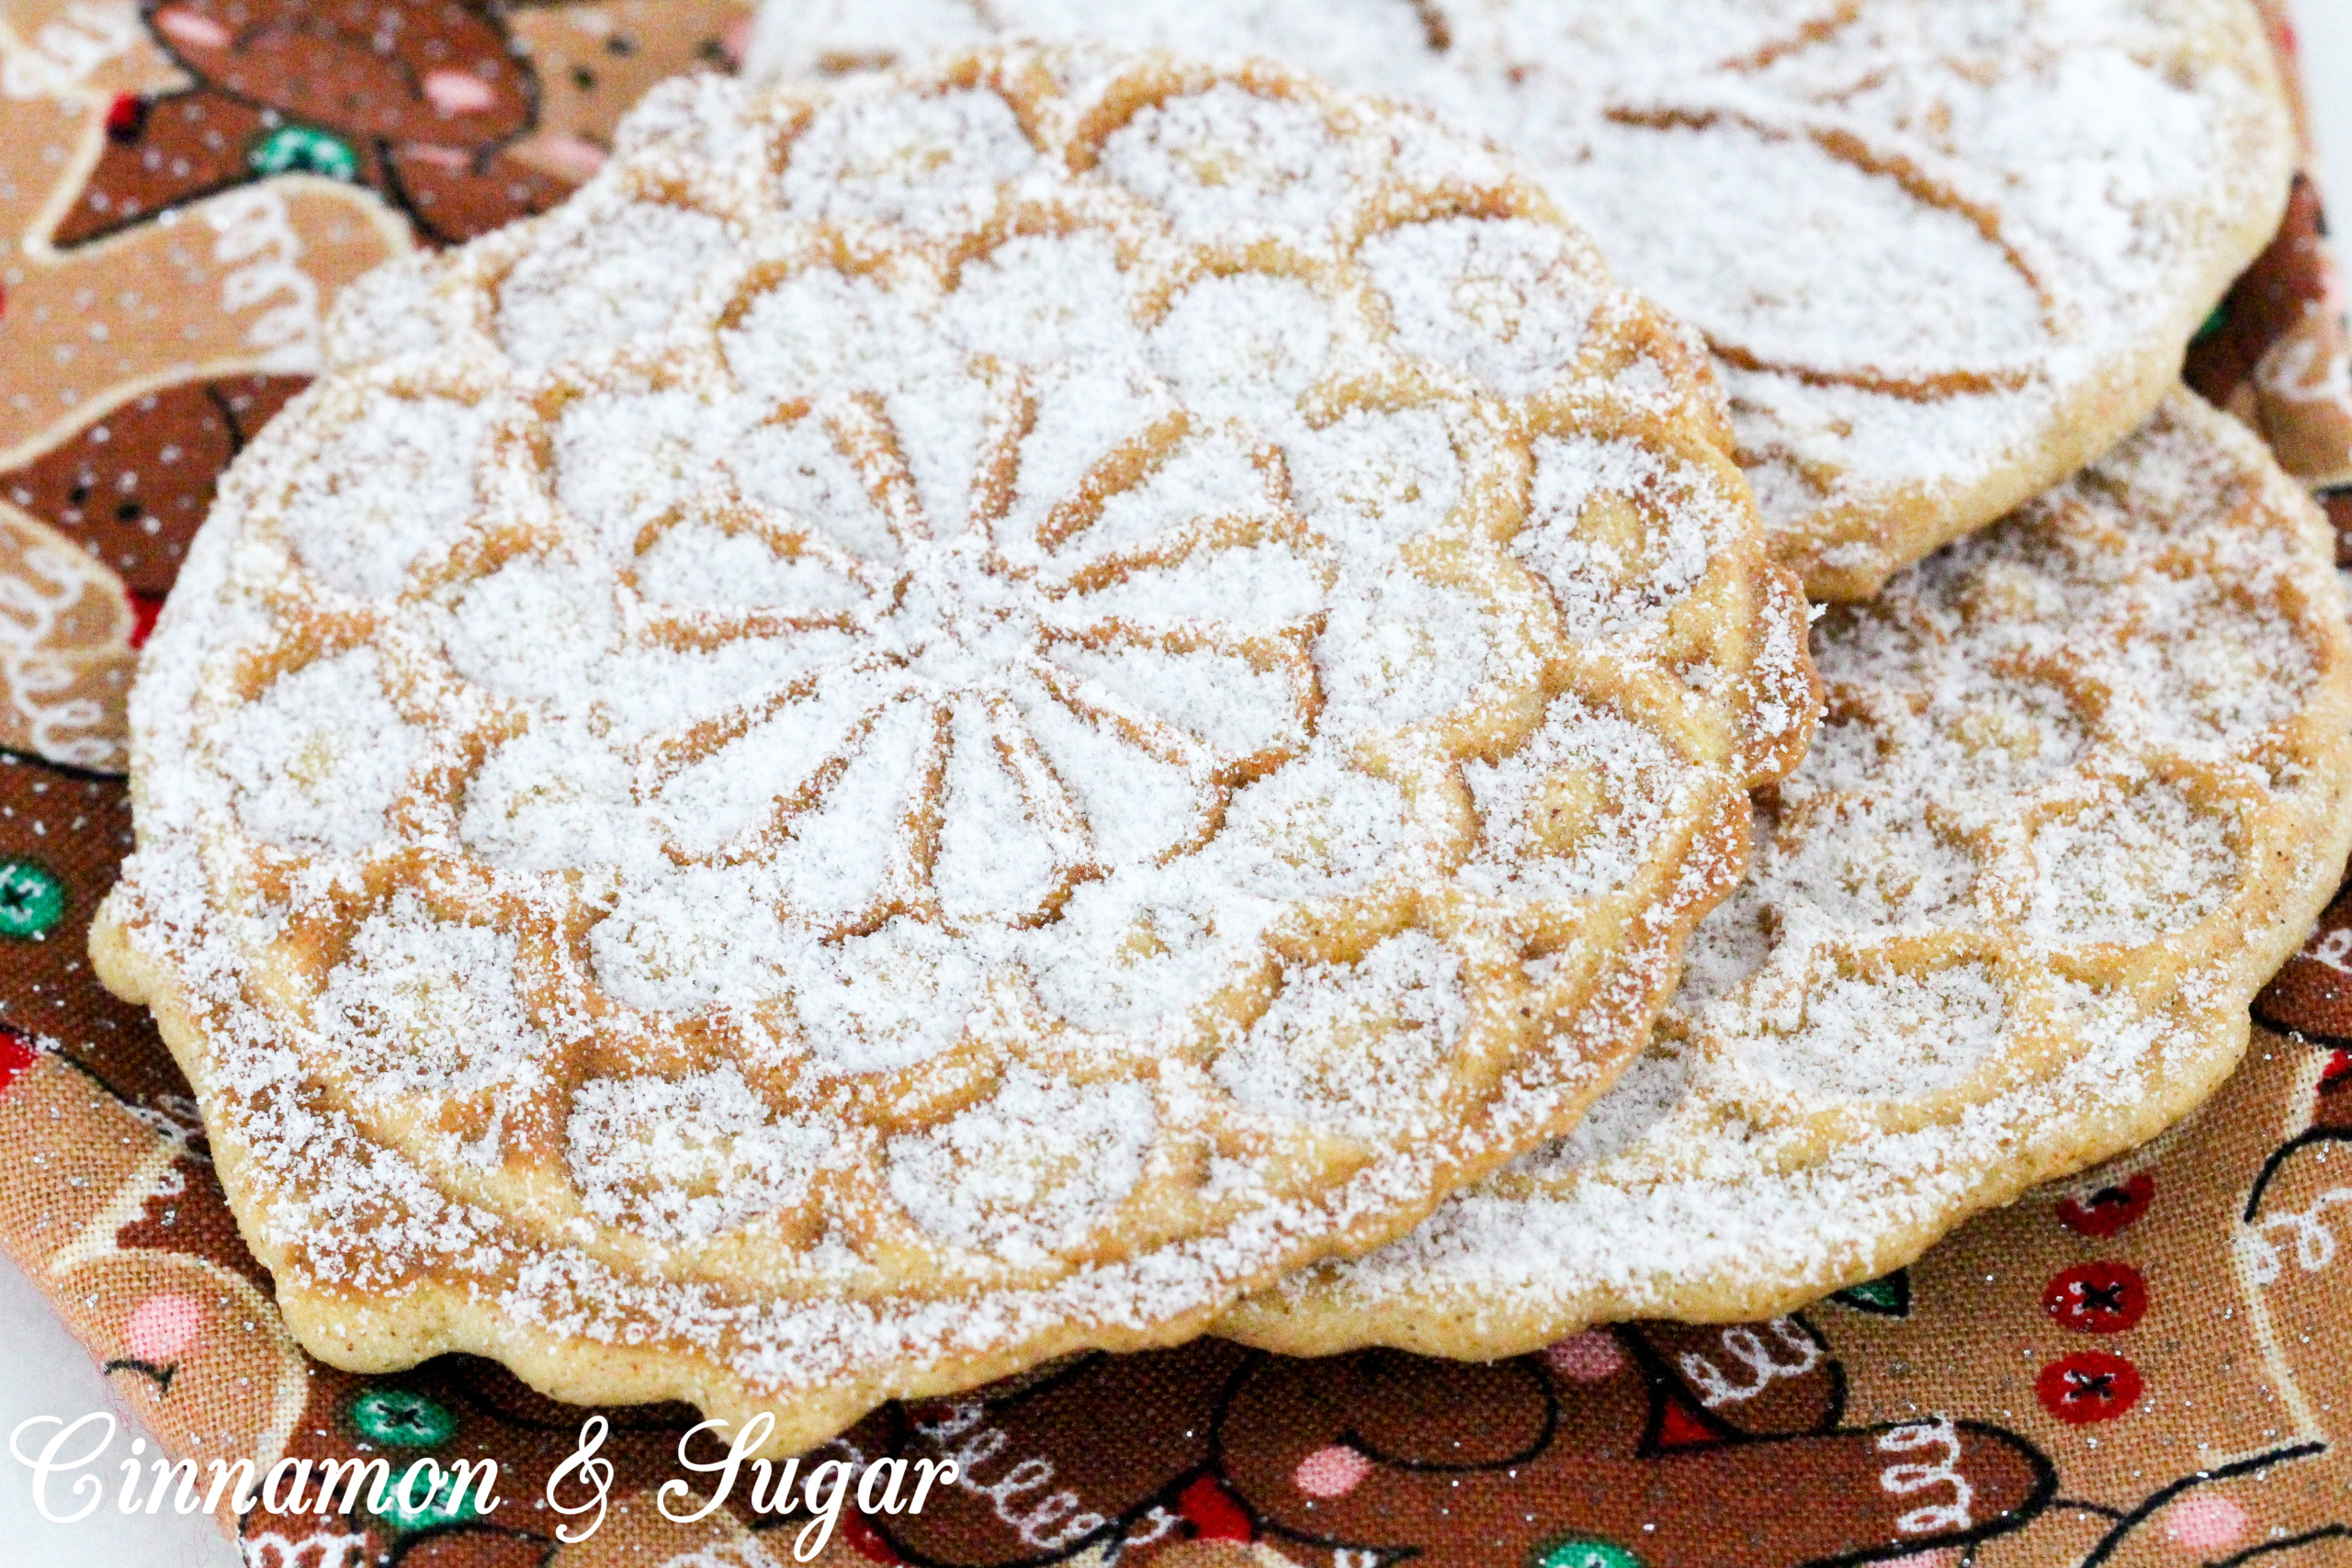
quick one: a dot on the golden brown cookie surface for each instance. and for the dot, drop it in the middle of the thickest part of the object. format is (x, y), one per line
(1945, 253)
(2083, 786)
(949, 719)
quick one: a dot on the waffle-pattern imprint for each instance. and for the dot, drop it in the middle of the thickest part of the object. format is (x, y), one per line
(1946, 251)
(2083, 787)
(949, 719)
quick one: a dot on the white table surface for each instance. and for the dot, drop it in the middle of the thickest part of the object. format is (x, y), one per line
(44, 1372)
(2326, 27)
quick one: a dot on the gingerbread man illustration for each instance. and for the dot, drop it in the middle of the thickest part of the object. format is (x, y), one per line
(1639, 1446)
(419, 100)
(133, 488)
(63, 833)
(438, 106)
(212, 174)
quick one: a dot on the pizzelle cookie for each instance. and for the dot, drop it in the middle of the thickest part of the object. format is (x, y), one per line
(2083, 786)
(1946, 251)
(947, 720)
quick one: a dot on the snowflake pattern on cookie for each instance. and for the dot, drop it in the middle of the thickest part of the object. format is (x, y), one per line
(2082, 788)
(1945, 254)
(948, 719)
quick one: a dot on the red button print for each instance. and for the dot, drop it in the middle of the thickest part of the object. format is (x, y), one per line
(2088, 1386)
(17, 1053)
(2097, 1298)
(2110, 1209)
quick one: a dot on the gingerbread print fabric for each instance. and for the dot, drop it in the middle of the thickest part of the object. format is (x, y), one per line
(2146, 1366)
(185, 188)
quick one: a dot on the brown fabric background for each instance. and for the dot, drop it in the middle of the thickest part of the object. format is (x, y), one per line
(2147, 1366)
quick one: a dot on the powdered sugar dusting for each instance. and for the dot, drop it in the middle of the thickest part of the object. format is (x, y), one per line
(2131, 868)
(1359, 1048)
(317, 761)
(423, 1006)
(1385, 476)
(1509, 299)
(686, 1159)
(1885, 1035)
(1576, 810)
(360, 539)
(1615, 578)
(1229, 164)
(1808, 280)
(2004, 922)
(933, 164)
(578, 295)
(1030, 1172)
(970, 769)
(1229, 345)
(1933, 244)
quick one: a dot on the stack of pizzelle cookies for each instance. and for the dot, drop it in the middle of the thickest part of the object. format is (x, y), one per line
(1061, 695)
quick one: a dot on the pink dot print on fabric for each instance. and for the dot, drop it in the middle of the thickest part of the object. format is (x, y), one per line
(2205, 1524)
(1332, 1472)
(161, 1328)
(457, 91)
(191, 28)
(1585, 1357)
